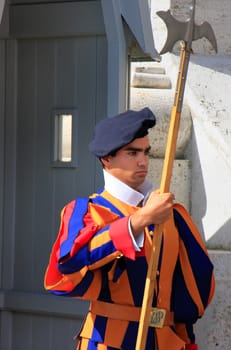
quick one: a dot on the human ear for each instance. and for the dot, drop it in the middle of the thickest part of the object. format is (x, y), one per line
(105, 161)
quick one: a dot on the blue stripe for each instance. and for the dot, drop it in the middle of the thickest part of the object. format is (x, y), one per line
(181, 296)
(74, 226)
(86, 258)
(190, 332)
(129, 341)
(83, 286)
(91, 345)
(101, 252)
(136, 272)
(80, 289)
(76, 263)
(99, 329)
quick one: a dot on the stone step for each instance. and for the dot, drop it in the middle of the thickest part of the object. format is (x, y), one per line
(150, 80)
(150, 70)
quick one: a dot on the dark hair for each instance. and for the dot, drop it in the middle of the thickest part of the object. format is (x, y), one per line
(112, 154)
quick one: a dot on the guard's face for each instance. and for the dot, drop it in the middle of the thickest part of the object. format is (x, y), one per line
(130, 164)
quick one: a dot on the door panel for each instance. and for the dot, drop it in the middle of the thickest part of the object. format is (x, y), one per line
(52, 74)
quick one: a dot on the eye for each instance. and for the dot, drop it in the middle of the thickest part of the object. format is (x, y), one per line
(132, 153)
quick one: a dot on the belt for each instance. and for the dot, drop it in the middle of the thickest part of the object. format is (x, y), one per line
(158, 317)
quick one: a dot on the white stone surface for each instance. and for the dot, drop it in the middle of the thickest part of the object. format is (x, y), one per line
(208, 96)
(160, 102)
(180, 182)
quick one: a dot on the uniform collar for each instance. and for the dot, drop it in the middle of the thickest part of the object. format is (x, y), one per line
(123, 192)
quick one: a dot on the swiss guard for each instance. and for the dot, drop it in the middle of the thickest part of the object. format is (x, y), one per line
(104, 243)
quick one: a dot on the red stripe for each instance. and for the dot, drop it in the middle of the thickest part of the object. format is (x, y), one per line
(191, 347)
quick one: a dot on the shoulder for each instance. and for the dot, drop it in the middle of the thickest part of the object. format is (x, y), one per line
(76, 206)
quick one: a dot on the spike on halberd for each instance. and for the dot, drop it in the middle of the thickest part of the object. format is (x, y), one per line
(178, 30)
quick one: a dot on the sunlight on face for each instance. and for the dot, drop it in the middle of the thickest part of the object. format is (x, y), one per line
(130, 164)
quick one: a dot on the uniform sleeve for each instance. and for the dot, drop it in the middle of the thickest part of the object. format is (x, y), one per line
(194, 275)
(89, 237)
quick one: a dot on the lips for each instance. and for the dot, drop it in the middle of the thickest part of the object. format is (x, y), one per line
(141, 173)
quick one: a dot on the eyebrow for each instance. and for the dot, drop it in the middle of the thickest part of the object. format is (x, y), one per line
(137, 149)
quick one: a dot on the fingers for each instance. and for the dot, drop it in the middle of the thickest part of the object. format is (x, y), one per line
(161, 198)
(158, 207)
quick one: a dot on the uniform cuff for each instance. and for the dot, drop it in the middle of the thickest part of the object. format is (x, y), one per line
(121, 238)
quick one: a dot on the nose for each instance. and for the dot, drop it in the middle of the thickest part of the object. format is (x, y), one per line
(143, 159)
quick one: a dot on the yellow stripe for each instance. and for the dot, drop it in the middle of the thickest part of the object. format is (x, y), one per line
(126, 209)
(88, 326)
(168, 263)
(99, 240)
(112, 337)
(104, 261)
(68, 282)
(189, 278)
(101, 346)
(102, 216)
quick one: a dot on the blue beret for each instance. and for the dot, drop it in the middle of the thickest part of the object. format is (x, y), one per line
(110, 134)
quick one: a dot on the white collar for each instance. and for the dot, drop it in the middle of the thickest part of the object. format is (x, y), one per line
(125, 193)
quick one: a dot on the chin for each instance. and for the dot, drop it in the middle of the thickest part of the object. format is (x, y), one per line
(137, 184)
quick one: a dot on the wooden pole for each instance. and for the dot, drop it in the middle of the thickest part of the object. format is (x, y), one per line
(164, 187)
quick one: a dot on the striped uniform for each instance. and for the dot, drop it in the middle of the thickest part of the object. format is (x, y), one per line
(94, 258)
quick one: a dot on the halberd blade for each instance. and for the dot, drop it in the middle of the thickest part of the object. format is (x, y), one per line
(205, 30)
(187, 31)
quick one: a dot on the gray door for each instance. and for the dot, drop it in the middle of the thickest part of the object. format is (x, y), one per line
(55, 76)
(52, 76)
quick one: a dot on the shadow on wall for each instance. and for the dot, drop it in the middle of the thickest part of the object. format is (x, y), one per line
(198, 194)
(212, 62)
(222, 238)
(219, 63)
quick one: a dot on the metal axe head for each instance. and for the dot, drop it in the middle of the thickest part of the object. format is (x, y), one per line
(187, 31)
